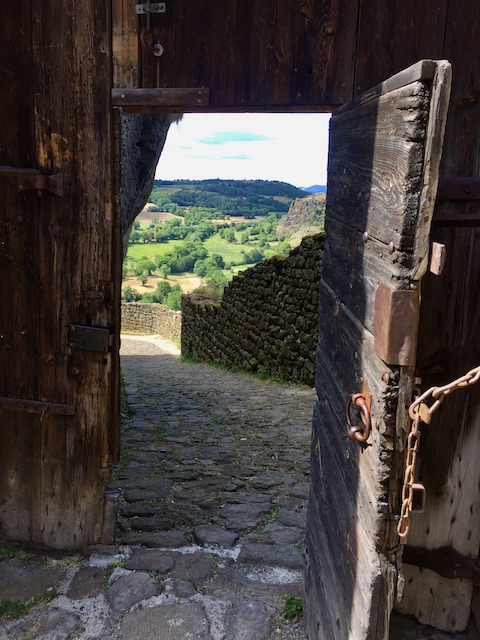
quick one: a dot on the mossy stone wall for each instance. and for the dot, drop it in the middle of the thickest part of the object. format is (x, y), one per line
(138, 317)
(267, 319)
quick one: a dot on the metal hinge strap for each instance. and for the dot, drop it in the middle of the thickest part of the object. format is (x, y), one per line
(33, 179)
(445, 561)
(36, 406)
(150, 7)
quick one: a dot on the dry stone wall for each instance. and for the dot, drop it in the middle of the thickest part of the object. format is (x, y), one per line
(152, 318)
(266, 320)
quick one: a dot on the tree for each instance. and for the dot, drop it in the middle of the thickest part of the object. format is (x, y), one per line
(144, 266)
(284, 248)
(218, 278)
(174, 298)
(218, 260)
(254, 256)
(165, 271)
(135, 236)
(162, 290)
(129, 294)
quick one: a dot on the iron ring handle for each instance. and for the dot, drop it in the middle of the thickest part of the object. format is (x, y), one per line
(356, 432)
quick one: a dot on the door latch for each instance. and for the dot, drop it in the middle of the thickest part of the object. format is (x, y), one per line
(358, 432)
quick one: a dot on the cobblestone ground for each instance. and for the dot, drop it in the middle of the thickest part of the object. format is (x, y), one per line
(213, 457)
(213, 482)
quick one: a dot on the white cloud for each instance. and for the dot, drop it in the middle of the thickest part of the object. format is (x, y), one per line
(288, 147)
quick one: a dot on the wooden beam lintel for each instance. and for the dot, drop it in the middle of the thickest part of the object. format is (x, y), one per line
(151, 99)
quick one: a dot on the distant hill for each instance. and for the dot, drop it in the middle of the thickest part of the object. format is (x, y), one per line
(305, 217)
(315, 188)
(248, 198)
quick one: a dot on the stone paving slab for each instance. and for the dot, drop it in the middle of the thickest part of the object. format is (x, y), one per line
(214, 481)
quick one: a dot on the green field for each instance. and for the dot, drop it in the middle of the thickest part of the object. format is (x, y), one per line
(151, 249)
(232, 252)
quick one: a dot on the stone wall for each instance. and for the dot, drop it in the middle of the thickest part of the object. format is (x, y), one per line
(152, 318)
(267, 318)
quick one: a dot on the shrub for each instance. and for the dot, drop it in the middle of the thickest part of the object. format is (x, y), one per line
(129, 294)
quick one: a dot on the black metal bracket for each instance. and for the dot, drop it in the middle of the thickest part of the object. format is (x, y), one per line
(33, 179)
(89, 338)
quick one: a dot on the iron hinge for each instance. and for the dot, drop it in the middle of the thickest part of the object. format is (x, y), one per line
(33, 179)
(150, 7)
(89, 338)
(94, 295)
(395, 323)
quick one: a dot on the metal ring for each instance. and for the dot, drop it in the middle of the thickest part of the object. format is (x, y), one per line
(357, 432)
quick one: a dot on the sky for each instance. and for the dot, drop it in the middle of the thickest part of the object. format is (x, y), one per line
(267, 146)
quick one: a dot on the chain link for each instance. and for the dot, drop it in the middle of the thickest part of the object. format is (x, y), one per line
(419, 412)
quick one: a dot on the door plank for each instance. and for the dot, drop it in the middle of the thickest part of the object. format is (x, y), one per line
(396, 35)
(448, 341)
(125, 44)
(20, 285)
(383, 166)
(392, 129)
(324, 51)
(55, 468)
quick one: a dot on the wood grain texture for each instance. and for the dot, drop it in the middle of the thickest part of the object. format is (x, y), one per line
(325, 51)
(378, 152)
(393, 36)
(348, 509)
(125, 44)
(57, 497)
(391, 129)
(448, 347)
(20, 285)
(251, 54)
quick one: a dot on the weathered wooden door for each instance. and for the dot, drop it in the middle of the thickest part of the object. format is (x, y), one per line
(59, 295)
(385, 150)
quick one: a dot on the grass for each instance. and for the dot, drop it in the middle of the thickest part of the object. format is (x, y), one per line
(11, 609)
(292, 608)
(151, 249)
(268, 518)
(154, 504)
(6, 553)
(232, 252)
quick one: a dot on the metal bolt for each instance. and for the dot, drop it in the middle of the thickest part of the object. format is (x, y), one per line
(390, 248)
(157, 50)
(365, 237)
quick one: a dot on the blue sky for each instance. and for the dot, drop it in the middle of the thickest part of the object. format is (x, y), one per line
(269, 146)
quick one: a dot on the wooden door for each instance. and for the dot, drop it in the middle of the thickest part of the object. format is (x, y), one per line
(384, 156)
(59, 295)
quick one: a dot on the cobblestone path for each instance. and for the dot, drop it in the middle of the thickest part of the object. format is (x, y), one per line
(213, 478)
(207, 447)
(211, 457)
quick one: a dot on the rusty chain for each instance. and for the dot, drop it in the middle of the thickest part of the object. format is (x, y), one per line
(419, 412)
